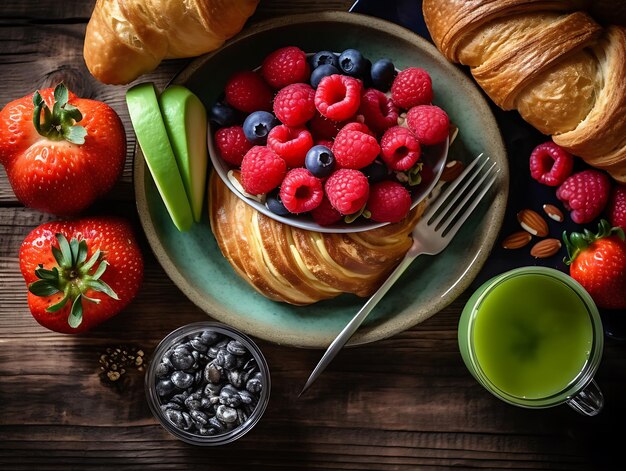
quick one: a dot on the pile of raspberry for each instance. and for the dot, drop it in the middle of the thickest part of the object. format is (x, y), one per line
(331, 135)
(587, 194)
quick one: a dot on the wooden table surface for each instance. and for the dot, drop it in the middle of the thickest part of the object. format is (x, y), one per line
(404, 403)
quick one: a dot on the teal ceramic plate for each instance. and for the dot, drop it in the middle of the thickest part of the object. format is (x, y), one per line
(194, 262)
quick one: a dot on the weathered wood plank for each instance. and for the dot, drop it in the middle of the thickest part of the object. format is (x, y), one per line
(17, 11)
(275, 448)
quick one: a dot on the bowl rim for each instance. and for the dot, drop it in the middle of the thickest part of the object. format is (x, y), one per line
(366, 334)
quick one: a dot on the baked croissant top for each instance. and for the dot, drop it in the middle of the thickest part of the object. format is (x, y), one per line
(549, 60)
(126, 38)
(301, 267)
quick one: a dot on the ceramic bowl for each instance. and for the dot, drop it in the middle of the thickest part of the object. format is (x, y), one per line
(193, 259)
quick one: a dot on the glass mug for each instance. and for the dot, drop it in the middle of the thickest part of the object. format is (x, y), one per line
(533, 337)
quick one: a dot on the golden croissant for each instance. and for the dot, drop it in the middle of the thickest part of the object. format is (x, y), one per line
(301, 267)
(127, 38)
(556, 65)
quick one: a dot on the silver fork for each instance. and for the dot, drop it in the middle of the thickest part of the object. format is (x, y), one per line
(431, 235)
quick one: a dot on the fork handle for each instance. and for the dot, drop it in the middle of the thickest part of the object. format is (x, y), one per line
(360, 316)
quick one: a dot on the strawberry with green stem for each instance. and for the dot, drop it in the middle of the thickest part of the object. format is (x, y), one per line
(80, 273)
(598, 263)
(61, 152)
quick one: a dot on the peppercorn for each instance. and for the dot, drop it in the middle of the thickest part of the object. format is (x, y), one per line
(115, 362)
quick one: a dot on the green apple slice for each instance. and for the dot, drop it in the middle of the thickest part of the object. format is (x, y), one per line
(186, 124)
(145, 115)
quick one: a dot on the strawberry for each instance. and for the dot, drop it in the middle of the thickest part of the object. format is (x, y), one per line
(54, 164)
(80, 273)
(598, 263)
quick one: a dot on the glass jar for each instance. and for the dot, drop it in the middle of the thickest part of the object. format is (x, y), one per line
(159, 378)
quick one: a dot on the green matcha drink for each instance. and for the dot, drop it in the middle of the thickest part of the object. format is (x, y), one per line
(531, 336)
(532, 346)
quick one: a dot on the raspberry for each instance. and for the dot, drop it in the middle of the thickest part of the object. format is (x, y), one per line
(247, 92)
(412, 87)
(324, 128)
(388, 202)
(301, 191)
(291, 144)
(550, 164)
(232, 144)
(325, 214)
(429, 123)
(285, 66)
(616, 208)
(354, 147)
(338, 97)
(358, 126)
(347, 190)
(585, 194)
(294, 105)
(379, 111)
(262, 170)
(400, 149)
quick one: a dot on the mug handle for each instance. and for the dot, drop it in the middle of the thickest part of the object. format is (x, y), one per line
(589, 401)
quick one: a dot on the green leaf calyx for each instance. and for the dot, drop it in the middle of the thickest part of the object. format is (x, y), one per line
(74, 277)
(60, 123)
(577, 242)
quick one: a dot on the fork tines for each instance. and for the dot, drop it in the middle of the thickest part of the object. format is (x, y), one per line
(444, 214)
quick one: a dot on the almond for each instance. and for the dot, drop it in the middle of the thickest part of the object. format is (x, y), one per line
(553, 212)
(517, 240)
(452, 170)
(545, 248)
(532, 222)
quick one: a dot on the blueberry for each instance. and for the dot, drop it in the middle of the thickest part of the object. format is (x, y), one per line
(223, 115)
(376, 172)
(353, 63)
(383, 72)
(275, 205)
(324, 58)
(258, 125)
(322, 71)
(320, 161)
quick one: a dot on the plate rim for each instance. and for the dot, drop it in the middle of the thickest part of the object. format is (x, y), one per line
(366, 334)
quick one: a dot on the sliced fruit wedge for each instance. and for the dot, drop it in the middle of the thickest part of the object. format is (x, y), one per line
(145, 115)
(185, 120)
